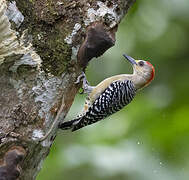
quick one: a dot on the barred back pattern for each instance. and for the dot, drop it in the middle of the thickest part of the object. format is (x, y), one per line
(113, 99)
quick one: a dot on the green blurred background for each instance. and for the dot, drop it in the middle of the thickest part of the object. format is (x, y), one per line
(149, 138)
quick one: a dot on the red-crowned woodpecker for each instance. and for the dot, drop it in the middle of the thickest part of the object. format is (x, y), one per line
(112, 94)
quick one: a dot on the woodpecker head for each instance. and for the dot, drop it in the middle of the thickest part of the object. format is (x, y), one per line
(144, 71)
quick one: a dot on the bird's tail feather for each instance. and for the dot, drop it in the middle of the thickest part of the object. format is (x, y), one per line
(68, 124)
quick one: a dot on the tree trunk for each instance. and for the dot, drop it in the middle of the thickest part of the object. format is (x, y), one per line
(44, 47)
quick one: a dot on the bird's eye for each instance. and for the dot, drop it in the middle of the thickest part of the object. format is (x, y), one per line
(141, 63)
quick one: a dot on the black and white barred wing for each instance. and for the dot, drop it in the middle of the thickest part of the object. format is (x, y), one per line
(113, 99)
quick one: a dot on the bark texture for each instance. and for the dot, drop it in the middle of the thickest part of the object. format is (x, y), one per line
(44, 46)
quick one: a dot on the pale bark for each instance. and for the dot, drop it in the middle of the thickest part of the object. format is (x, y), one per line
(39, 63)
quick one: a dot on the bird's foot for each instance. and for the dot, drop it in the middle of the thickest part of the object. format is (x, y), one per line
(86, 88)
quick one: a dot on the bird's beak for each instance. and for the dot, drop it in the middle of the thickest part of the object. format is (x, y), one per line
(130, 59)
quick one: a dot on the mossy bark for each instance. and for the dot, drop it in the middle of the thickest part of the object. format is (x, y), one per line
(39, 44)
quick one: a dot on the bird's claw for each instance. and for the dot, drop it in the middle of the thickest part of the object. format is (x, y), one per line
(86, 88)
(80, 77)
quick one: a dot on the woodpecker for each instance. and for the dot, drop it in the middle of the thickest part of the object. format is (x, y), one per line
(112, 94)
